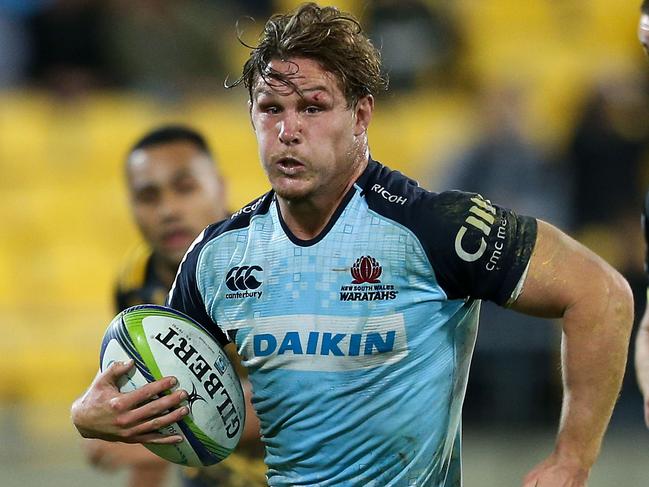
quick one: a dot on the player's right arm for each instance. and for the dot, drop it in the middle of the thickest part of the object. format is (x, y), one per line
(105, 413)
(642, 337)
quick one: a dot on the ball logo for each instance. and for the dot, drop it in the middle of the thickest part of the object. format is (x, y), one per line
(193, 397)
(366, 269)
(242, 278)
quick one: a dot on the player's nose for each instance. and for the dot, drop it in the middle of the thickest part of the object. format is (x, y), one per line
(169, 207)
(290, 128)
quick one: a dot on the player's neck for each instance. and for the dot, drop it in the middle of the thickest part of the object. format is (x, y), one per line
(307, 218)
(164, 270)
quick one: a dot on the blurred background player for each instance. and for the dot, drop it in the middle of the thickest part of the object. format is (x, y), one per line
(643, 27)
(175, 190)
(642, 338)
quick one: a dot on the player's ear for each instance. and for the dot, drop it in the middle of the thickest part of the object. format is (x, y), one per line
(363, 114)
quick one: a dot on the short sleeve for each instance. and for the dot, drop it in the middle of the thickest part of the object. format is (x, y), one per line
(185, 296)
(478, 249)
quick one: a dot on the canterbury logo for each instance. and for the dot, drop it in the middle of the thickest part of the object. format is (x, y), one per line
(242, 278)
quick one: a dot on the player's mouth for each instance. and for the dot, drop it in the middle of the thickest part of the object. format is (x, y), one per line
(290, 166)
(177, 238)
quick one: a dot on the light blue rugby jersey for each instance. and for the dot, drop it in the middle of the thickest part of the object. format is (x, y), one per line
(358, 342)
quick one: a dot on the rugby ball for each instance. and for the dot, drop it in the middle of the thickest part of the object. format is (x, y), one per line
(164, 342)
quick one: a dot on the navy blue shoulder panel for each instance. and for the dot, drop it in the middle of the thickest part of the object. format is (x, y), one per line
(476, 249)
(184, 295)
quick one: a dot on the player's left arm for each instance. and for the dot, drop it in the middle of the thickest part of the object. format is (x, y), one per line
(566, 280)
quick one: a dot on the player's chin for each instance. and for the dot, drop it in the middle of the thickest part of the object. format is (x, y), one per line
(292, 189)
(172, 255)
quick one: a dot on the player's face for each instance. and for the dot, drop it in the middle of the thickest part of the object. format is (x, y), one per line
(643, 32)
(310, 143)
(175, 192)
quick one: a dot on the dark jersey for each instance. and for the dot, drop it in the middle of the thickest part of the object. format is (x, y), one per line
(137, 282)
(358, 342)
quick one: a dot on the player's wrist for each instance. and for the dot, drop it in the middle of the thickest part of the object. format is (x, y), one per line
(576, 455)
(77, 418)
(82, 421)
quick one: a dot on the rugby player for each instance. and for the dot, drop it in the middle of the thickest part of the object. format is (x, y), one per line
(357, 307)
(175, 190)
(642, 337)
(643, 26)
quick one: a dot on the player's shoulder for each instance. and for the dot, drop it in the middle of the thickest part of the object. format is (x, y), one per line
(242, 217)
(132, 273)
(239, 220)
(400, 198)
(235, 224)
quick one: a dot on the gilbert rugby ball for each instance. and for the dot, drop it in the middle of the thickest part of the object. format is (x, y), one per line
(164, 342)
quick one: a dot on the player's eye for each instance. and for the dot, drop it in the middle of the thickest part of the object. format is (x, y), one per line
(269, 109)
(185, 185)
(147, 195)
(311, 109)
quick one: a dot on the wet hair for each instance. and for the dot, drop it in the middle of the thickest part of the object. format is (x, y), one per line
(644, 8)
(333, 38)
(168, 134)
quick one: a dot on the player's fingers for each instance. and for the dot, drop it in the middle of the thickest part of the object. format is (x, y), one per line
(93, 454)
(116, 370)
(646, 413)
(531, 479)
(153, 408)
(107, 463)
(159, 439)
(158, 422)
(99, 455)
(148, 391)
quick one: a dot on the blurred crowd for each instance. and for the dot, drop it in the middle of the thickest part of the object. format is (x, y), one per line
(590, 180)
(72, 46)
(175, 46)
(591, 185)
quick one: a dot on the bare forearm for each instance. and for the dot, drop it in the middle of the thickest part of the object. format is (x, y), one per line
(568, 281)
(594, 353)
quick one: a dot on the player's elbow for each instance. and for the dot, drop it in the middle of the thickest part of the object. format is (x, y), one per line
(620, 299)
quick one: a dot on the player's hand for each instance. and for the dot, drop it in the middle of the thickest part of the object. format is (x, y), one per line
(554, 472)
(133, 417)
(646, 411)
(112, 456)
